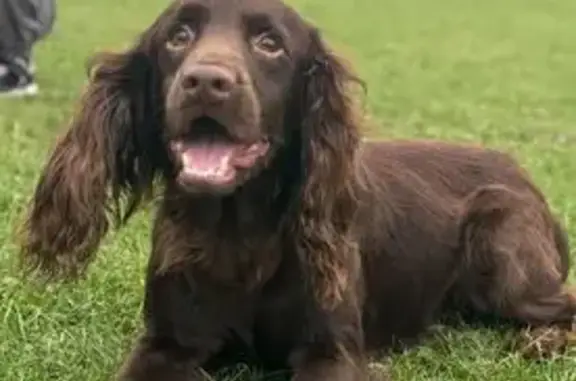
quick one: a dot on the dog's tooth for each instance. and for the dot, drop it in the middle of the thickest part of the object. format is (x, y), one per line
(186, 162)
(224, 163)
(177, 146)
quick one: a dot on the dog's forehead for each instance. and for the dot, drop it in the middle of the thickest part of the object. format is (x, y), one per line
(274, 10)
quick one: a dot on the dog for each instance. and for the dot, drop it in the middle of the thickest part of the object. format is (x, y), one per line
(278, 232)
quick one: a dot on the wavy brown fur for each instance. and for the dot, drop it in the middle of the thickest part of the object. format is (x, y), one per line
(325, 249)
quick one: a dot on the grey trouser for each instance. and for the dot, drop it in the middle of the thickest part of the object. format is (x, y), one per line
(23, 23)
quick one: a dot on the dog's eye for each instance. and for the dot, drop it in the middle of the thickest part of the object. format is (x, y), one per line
(268, 44)
(180, 38)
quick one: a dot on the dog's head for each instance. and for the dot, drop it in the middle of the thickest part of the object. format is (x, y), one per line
(212, 93)
(227, 70)
(231, 71)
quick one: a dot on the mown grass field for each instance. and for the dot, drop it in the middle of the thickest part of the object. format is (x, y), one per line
(498, 72)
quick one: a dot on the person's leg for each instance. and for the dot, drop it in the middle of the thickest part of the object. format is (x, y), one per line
(22, 23)
(44, 16)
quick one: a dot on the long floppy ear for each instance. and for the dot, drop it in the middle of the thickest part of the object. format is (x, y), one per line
(100, 169)
(329, 139)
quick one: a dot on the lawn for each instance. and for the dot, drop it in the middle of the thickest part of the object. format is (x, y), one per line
(501, 72)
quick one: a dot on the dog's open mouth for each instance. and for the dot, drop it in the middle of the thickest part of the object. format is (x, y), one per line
(209, 156)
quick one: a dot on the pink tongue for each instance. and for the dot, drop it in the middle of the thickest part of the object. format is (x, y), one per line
(208, 160)
(216, 162)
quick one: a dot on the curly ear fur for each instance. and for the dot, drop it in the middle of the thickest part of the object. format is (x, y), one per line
(99, 171)
(329, 140)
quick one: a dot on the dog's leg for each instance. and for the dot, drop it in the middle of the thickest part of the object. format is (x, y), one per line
(558, 307)
(336, 355)
(550, 323)
(185, 331)
(333, 370)
(177, 341)
(152, 360)
(517, 263)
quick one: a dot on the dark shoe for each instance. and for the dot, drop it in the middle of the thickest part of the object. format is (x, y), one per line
(13, 85)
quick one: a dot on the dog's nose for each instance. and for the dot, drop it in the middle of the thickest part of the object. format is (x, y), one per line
(209, 82)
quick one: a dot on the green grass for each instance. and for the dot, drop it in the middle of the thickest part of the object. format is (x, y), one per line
(498, 72)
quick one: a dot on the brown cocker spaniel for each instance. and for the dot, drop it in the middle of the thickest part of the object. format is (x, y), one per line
(279, 234)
